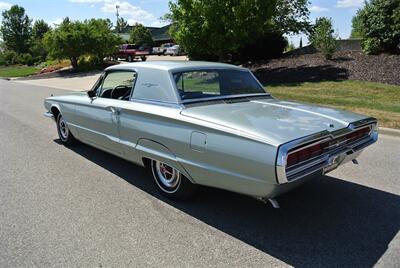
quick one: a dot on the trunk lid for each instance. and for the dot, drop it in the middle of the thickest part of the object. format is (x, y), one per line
(273, 120)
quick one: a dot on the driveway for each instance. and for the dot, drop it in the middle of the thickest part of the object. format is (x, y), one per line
(84, 81)
(81, 207)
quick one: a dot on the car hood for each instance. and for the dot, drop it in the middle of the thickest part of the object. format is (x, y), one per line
(273, 120)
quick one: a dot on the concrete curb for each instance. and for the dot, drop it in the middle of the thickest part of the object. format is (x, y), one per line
(389, 131)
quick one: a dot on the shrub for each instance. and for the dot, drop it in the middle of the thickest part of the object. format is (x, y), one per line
(323, 37)
(268, 46)
(25, 59)
(371, 46)
(379, 24)
(2, 59)
(10, 57)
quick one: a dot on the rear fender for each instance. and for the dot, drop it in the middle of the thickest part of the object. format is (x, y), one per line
(154, 150)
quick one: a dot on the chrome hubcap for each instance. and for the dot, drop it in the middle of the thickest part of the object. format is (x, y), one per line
(168, 176)
(64, 132)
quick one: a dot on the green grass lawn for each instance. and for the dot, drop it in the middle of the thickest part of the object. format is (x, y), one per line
(374, 99)
(17, 71)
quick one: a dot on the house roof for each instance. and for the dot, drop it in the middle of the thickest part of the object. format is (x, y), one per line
(157, 33)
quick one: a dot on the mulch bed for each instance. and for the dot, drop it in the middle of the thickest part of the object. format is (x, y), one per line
(346, 65)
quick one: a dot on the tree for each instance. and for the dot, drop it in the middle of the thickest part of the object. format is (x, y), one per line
(291, 16)
(323, 37)
(356, 26)
(221, 30)
(74, 39)
(379, 22)
(213, 29)
(140, 35)
(69, 41)
(37, 47)
(101, 40)
(40, 27)
(121, 25)
(16, 29)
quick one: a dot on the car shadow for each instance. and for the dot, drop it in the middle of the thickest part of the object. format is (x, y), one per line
(327, 222)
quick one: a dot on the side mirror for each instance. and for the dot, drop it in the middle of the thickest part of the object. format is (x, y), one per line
(91, 94)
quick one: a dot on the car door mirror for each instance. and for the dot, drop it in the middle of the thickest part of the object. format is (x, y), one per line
(91, 94)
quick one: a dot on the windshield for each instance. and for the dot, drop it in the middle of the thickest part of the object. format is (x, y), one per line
(216, 83)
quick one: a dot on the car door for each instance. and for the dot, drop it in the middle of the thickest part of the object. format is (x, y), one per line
(98, 117)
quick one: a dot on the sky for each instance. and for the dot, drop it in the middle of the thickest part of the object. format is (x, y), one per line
(148, 12)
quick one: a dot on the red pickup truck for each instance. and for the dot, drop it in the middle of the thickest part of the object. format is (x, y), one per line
(130, 52)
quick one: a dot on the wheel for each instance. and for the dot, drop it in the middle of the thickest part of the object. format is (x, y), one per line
(170, 182)
(143, 58)
(130, 59)
(64, 133)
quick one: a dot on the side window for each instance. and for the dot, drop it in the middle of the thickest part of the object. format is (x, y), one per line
(117, 85)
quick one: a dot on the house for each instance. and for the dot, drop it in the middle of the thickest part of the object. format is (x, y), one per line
(160, 34)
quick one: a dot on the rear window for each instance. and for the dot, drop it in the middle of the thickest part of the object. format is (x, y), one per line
(201, 84)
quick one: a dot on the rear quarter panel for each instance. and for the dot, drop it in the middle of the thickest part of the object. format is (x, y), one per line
(225, 161)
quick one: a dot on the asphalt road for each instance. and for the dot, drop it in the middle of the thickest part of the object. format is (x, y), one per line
(81, 207)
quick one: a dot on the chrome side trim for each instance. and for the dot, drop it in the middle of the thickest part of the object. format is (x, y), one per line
(283, 150)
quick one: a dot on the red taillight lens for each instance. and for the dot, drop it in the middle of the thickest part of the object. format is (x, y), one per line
(292, 159)
(318, 149)
(358, 134)
(304, 154)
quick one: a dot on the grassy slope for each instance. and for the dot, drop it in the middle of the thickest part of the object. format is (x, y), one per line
(374, 99)
(17, 71)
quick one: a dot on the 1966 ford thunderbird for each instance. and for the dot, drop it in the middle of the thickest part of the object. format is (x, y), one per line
(201, 123)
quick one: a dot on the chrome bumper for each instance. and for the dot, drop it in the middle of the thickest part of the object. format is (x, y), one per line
(325, 163)
(48, 114)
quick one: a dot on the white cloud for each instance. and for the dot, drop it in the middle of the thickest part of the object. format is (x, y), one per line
(134, 13)
(56, 22)
(157, 23)
(349, 3)
(4, 5)
(318, 9)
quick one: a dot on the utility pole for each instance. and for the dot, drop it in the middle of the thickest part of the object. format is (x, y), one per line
(117, 7)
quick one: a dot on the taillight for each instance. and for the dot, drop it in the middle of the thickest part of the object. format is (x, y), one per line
(307, 153)
(304, 154)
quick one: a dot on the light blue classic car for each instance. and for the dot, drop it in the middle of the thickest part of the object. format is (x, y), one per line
(202, 123)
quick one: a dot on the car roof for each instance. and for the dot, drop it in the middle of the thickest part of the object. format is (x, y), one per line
(173, 65)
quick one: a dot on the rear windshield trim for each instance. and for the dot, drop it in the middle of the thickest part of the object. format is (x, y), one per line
(226, 97)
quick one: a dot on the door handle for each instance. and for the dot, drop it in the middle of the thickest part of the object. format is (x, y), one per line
(115, 110)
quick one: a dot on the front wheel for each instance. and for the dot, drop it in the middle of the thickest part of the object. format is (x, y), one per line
(170, 182)
(64, 133)
(143, 58)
